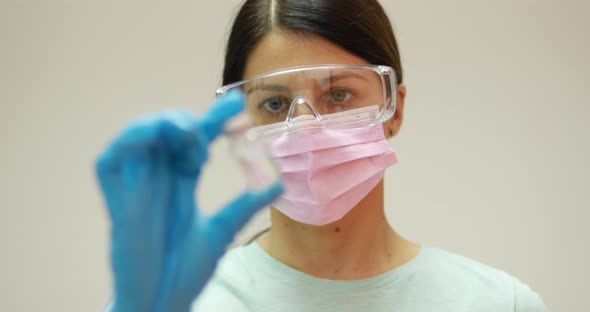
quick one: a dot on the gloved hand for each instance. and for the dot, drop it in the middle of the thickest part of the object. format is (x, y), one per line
(163, 250)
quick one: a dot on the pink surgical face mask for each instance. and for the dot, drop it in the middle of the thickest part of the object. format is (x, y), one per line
(327, 170)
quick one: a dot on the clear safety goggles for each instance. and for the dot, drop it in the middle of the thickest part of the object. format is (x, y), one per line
(283, 101)
(282, 97)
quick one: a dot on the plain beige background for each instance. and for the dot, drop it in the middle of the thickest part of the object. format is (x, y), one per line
(493, 153)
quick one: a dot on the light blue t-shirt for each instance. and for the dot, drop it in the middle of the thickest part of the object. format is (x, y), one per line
(248, 279)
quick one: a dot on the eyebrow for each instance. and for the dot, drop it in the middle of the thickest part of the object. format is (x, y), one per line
(267, 88)
(331, 79)
(346, 75)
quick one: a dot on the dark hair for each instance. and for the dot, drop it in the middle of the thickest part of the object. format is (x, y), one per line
(359, 26)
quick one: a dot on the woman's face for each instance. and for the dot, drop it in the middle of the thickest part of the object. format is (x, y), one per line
(283, 49)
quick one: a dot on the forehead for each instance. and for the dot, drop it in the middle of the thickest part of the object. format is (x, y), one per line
(282, 49)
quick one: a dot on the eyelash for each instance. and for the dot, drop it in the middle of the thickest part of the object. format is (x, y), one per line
(348, 91)
(266, 100)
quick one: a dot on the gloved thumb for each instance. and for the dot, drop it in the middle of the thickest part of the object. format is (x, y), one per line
(227, 222)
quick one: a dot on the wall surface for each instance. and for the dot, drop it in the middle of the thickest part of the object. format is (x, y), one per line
(493, 153)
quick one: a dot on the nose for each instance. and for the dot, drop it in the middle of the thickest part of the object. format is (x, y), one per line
(301, 106)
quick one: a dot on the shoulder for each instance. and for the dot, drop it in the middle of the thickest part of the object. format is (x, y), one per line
(461, 267)
(527, 300)
(480, 279)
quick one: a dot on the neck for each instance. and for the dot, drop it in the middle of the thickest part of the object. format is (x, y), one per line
(360, 245)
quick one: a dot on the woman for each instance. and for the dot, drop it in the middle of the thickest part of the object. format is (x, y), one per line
(323, 86)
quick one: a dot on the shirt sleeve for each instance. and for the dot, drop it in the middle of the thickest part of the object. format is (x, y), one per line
(527, 300)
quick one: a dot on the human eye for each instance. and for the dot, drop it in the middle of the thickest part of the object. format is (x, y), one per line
(274, 105)
(340, 96)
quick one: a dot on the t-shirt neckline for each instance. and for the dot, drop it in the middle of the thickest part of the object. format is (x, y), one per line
(277, 269)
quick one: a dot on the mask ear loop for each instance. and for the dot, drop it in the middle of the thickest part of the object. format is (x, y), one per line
(294, 104)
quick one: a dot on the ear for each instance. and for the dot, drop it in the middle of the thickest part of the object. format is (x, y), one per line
(394, 124)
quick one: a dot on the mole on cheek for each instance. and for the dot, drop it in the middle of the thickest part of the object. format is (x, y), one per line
(337, 230)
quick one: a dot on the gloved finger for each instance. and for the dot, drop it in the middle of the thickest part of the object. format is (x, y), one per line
(226, 223)
(110, 182)
(226, 107)
(188, 137)
(183, 215)
(117, 184)
(185, 141)
(172, 131)
(137, 196)
(138, 136)
(211, 123)
(179, 129)
(180, 220)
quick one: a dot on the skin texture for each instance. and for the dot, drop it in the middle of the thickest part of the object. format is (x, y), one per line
(360, 245)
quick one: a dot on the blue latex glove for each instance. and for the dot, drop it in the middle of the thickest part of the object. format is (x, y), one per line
(163, 249)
